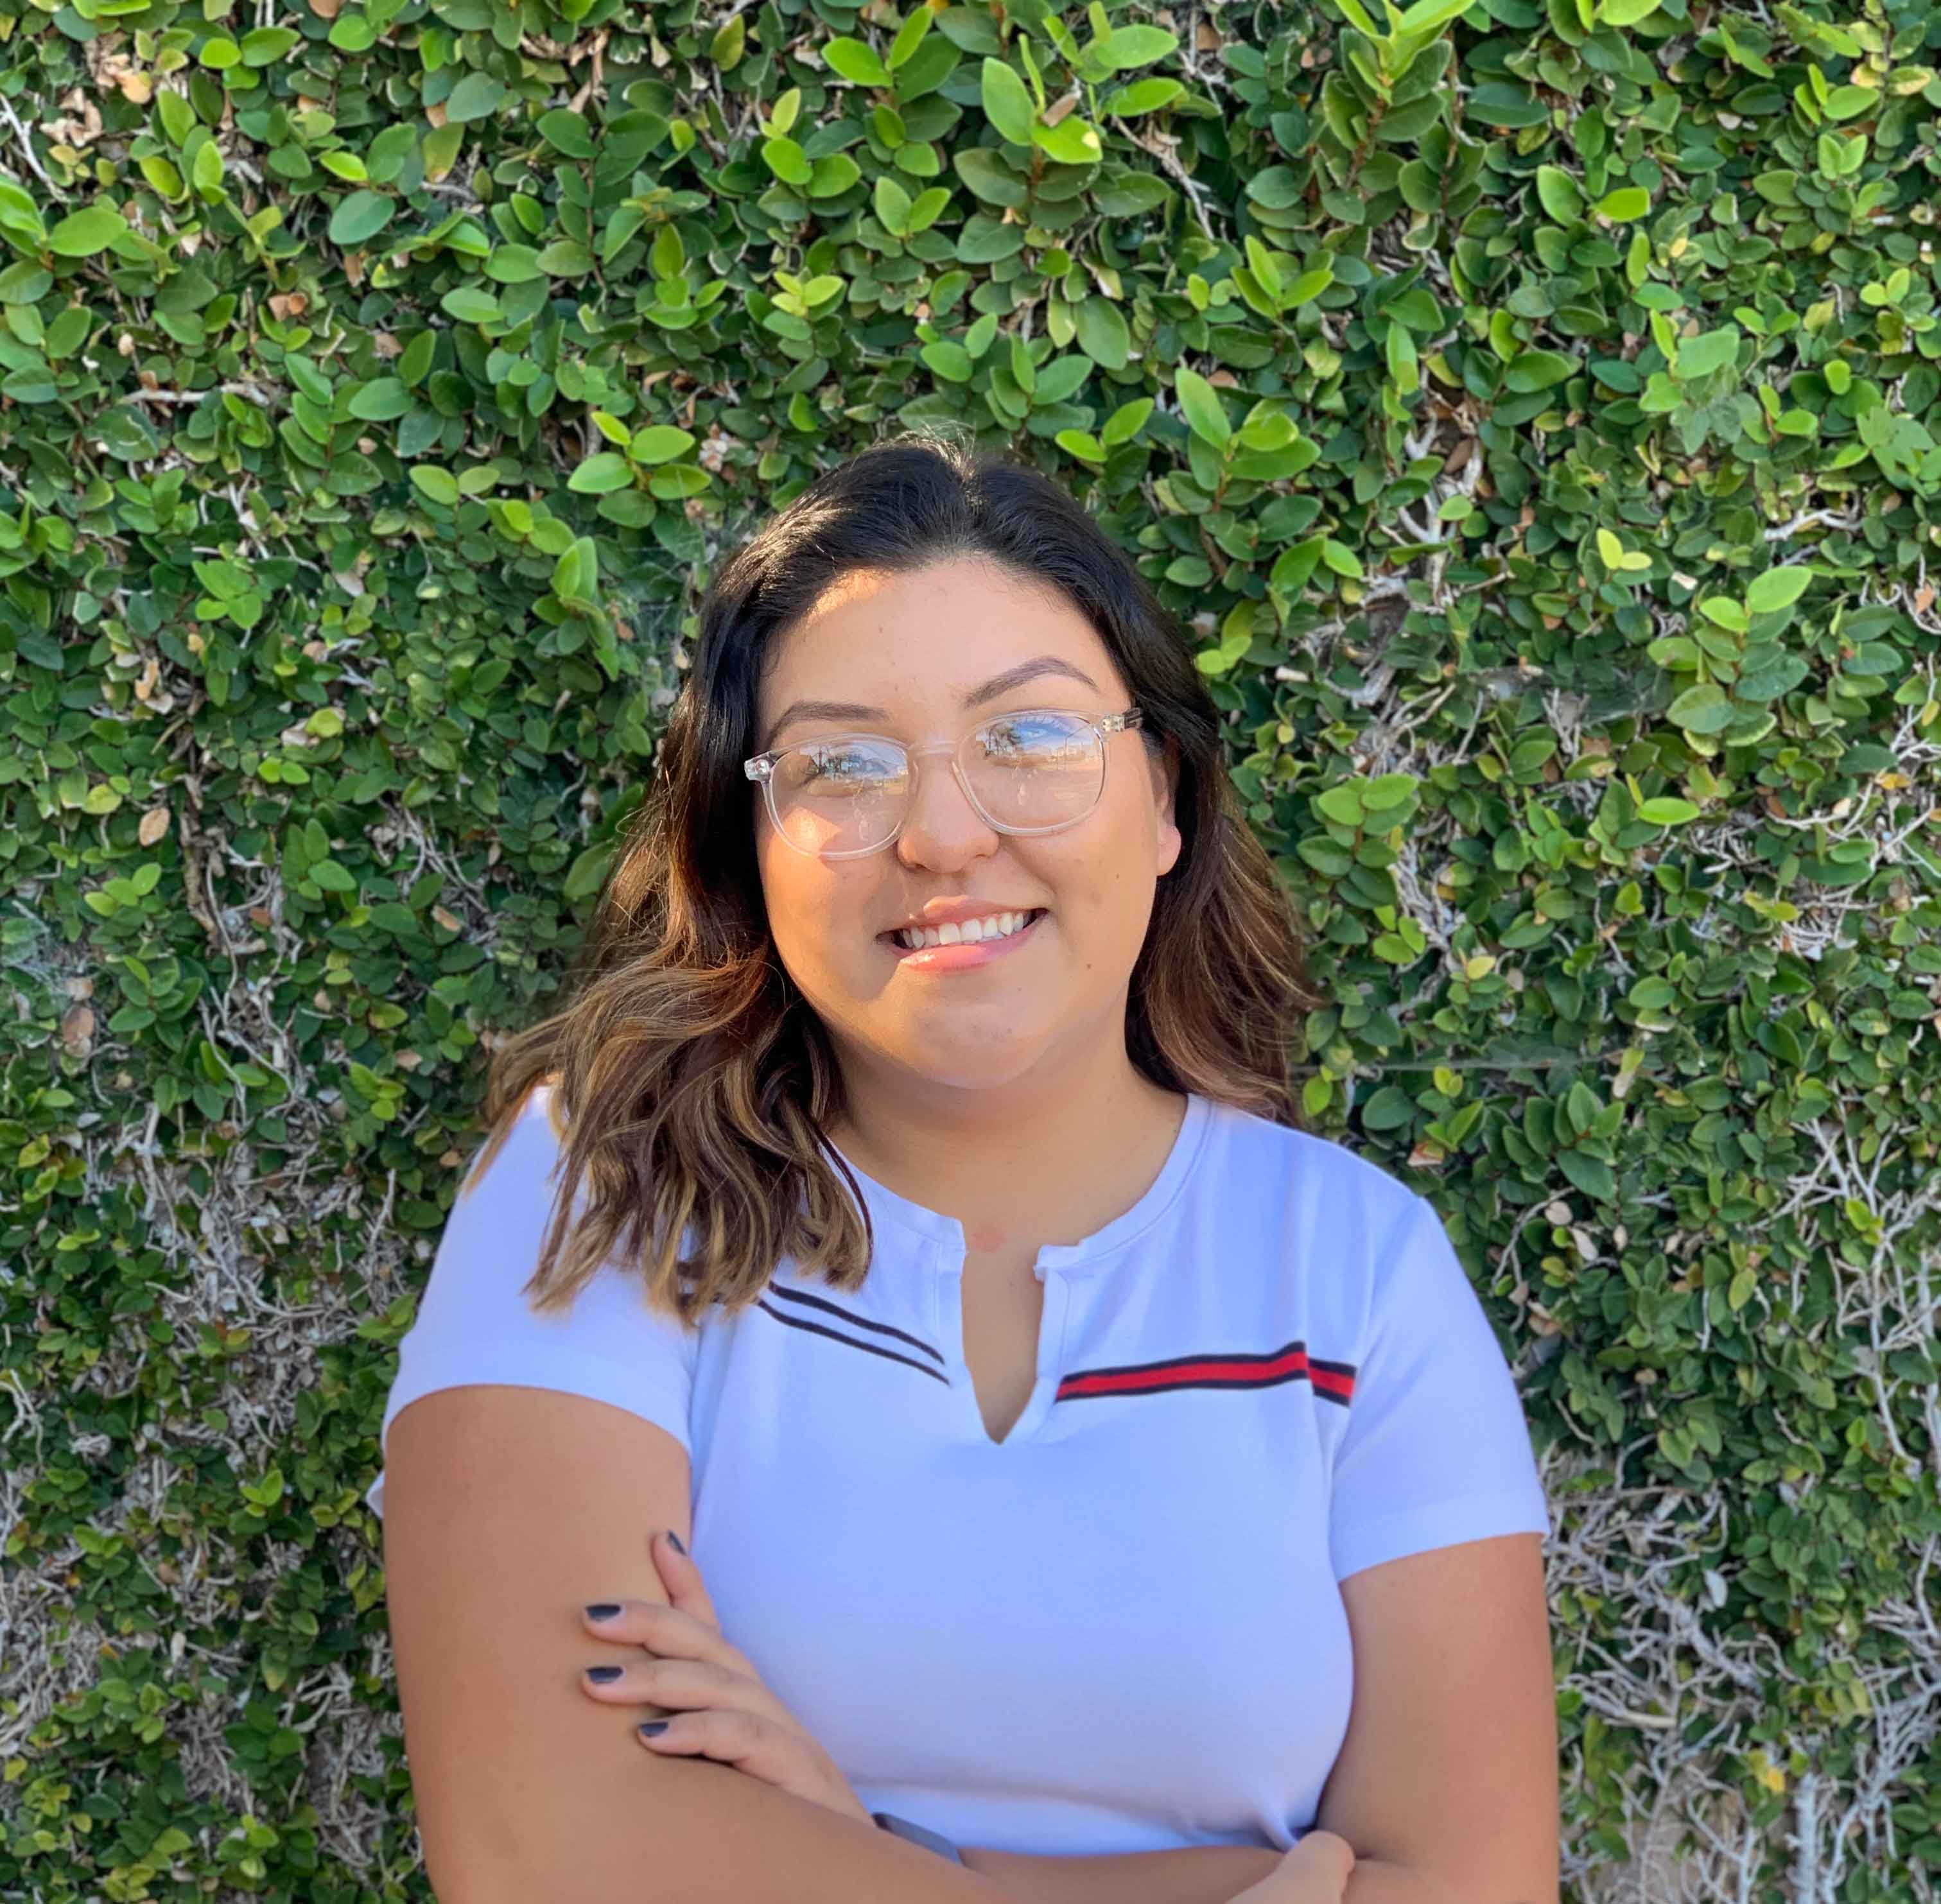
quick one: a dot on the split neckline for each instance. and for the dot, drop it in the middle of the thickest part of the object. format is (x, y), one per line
(950, 1246)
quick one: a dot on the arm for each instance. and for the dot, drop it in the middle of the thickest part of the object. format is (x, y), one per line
(1376, 1880)
(501, 1504)
(1199, 1874)
(1446, 1783)
(1195, 1874)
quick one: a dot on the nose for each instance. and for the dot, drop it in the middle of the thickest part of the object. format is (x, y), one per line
(941, 829)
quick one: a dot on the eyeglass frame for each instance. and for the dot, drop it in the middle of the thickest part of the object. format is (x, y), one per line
(761, 767)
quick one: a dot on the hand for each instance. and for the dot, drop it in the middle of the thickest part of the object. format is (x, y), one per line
(717, 1706)
(1315, 1872)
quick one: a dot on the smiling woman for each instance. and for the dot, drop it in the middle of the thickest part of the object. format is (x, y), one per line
(1097, 1478)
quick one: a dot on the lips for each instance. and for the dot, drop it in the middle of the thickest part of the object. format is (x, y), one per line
(891, 938)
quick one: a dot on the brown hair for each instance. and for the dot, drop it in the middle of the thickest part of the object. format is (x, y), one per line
(691, 1081)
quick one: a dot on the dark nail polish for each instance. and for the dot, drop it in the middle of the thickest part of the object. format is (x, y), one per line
(603, 1675)
(653, 1729)
(674, 1541)
(605, 1609)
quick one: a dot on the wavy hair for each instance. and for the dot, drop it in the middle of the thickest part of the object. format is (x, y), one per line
(692, 1082)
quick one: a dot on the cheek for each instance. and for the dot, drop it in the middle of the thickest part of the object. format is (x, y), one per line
(1115, 865)
(816, 918)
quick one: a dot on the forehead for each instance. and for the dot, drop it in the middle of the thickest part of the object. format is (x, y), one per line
(924, 643)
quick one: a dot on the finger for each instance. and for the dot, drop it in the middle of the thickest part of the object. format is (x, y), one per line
(689, 1685)
(664, 1630)
(681, 1575)
(1327, 1854)
(746, 1740)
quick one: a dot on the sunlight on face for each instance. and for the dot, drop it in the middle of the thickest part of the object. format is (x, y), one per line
(916, 646)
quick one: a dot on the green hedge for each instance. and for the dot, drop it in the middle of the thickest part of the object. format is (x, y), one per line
(1533, 418)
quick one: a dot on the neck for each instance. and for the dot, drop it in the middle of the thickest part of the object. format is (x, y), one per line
(1028, 1160)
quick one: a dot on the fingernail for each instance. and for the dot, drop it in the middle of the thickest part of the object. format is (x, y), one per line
(653, 1728)
(674, 1541)
(603, 1673)
(605, 1609)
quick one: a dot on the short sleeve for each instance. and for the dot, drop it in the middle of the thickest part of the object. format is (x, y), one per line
(1436, 1449)
(473, 1325)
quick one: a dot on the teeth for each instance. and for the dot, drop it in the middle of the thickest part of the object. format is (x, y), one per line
(970, 933)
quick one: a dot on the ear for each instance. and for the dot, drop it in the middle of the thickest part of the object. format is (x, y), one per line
(1165, 772)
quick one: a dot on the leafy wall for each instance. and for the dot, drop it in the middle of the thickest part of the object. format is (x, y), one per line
(1533, 419)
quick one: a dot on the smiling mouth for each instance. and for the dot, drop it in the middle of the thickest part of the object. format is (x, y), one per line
(893, 938)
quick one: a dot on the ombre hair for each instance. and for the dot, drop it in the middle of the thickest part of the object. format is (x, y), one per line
(692, 1082)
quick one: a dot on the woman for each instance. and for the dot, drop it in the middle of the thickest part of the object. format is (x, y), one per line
(1092, 1481)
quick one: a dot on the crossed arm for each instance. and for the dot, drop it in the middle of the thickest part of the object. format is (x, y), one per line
(1446, 1783)
(1198, 1873)
(501, 1502)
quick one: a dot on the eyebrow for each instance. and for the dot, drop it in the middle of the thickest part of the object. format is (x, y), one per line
(1012, 677)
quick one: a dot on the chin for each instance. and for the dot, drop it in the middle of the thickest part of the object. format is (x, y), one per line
(981, 1069)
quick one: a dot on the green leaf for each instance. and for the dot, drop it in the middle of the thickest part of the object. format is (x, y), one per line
(893, 205)
(1668, 810)
(929, 208)
(833, 175)
(1561, 194)
(1620, 206)
(1126, 47)
(1199, 404)
(565, 257)
(1531, 371)
(1007, 104)
(1342, 803)
(268, 45)
(470, 305)
(786, 160)
(660, 443)
(1777, 589)
(856, 61)
(910, 36)
(440, 485)
(1102, 333)
(1590, 1175)
(729, 43)
(1126, 422)
(206, 170)
(1711, 350)
(382, 400)
(1356, 16)
(1702, 710)
(1142, 96)
(1387, 790)
(599, 475)
(1391, 1108)
(567, 132)
(1073, 141)
(1429, 17)
(949, 358)
(359, 217)
(82, 234)
(475, 96)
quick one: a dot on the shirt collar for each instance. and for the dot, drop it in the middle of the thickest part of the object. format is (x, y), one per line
(945, 1234)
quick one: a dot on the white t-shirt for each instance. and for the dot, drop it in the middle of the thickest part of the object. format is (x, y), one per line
(1120, 1629)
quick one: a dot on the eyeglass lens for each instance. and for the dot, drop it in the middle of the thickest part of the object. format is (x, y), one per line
(1026, 771)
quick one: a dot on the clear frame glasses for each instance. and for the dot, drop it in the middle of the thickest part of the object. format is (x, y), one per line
(1037, 770)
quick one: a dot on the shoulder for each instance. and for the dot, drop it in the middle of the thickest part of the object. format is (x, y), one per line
(518, 1158)
(484, 1278)
(1332, 1186)
(1340, 1236)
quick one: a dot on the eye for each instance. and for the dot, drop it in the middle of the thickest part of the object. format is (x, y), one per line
(835, 763)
